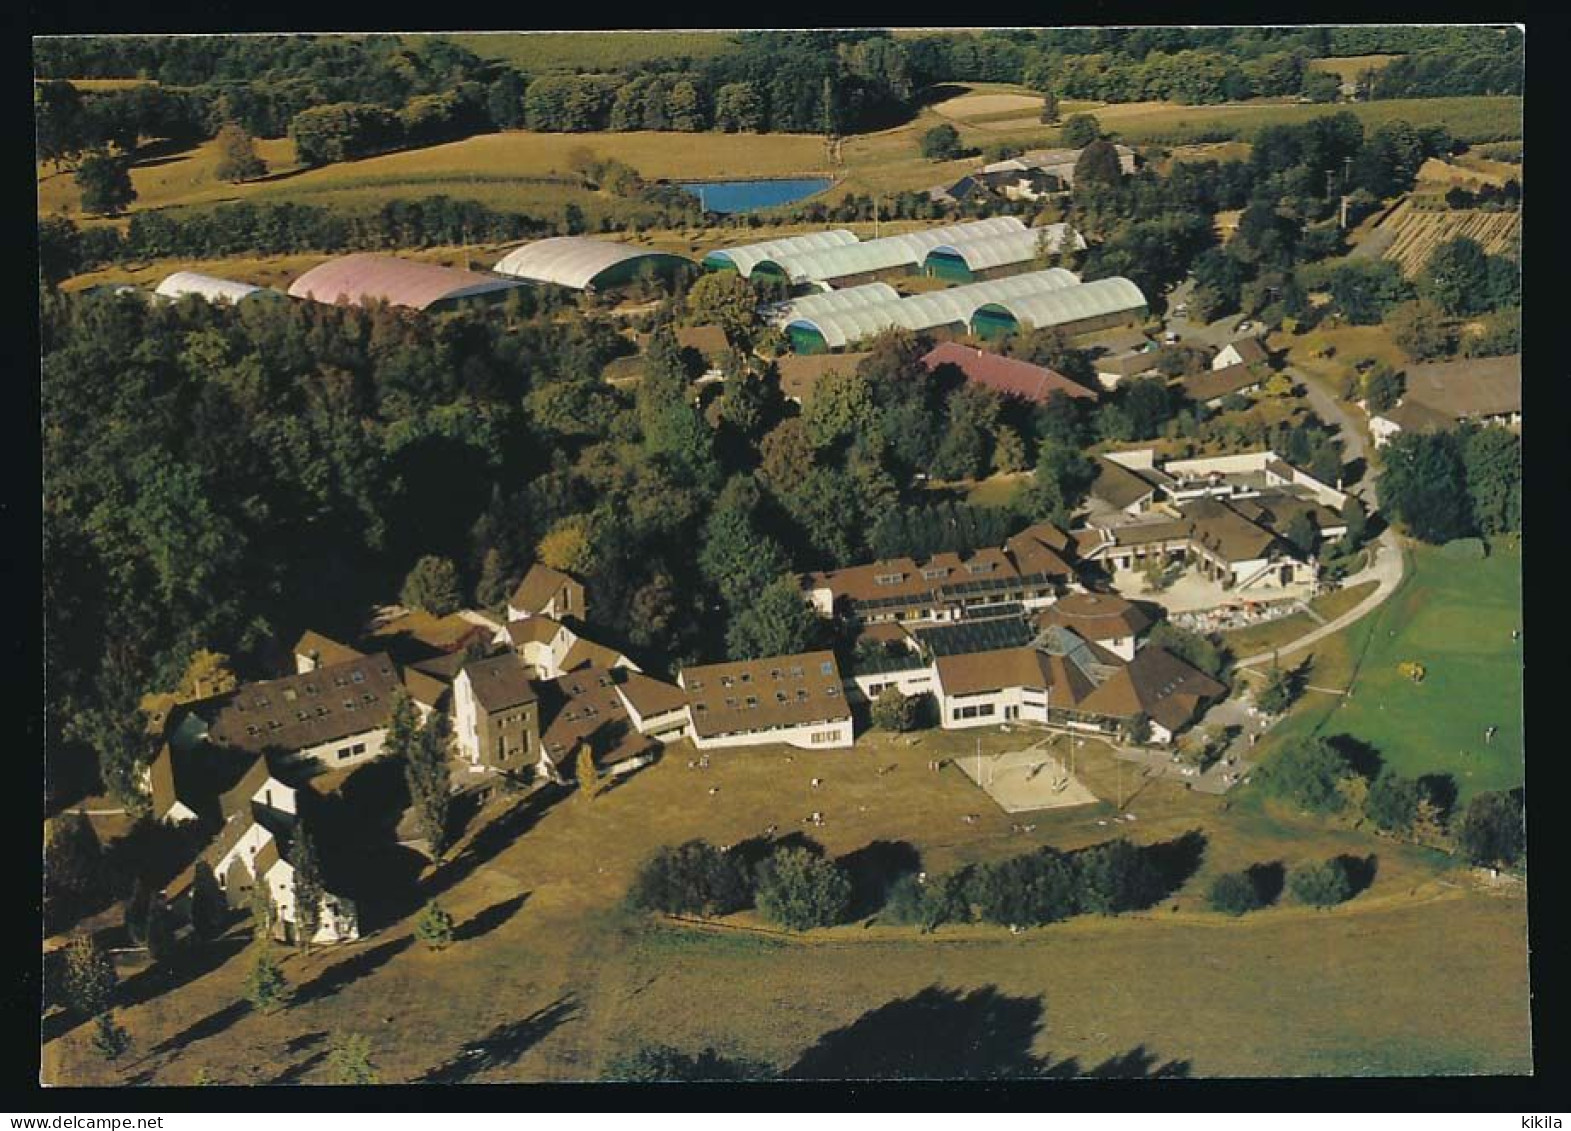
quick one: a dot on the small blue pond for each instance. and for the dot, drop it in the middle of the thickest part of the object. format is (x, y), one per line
(748, 196)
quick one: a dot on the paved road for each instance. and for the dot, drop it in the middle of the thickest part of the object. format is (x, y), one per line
(1386, 569)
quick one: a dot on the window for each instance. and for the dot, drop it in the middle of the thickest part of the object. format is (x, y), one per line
(752, 701)
(826, 668)
(780, 697)
(696, 685)
(730, 701)
(888, 578)
(343, 752)
(357, 676)
(290, 695)
(979, 567)
(726, 681)
(746, 677)
(796, 671)
(775, 673)
(359, 748)
(831, 691)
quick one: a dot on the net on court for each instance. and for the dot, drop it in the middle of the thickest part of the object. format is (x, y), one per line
(1021, 781)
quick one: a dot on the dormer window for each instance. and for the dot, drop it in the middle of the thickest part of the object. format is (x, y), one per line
(888, 578)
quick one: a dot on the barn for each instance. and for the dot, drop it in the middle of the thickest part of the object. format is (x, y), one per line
(356, 279)
(586, 264)
(211, 288)
(1076, 310)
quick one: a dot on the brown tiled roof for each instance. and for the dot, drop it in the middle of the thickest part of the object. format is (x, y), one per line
(1158, 684)
(1096, 616)
(426, 689)
(538, 587)
(649, 696)
(1128, 364)
(1459, 390)
(1041, 549)
(500, 683)
(974, 673)
(584, 706)
(161, 774)
(266, 857)
(237, 798)
(778, 691)
(1209, 384)
(800, 373)
(586, 653)
(308, 709)
(860, 583)
(708, 340)
(1118, 486)
(1250, 350)
(1223, 530)
(1275, 510)
(325, 649)
(1145, 533)
(537, 629)
(1005, 375)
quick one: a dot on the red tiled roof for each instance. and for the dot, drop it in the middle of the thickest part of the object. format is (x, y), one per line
(1005, 375)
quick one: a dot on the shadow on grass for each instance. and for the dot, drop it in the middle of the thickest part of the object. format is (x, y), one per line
(502, 1045)
(294, 1072)
(1362, 757)
(305, 1041)
(351, 969)
(1172, 862)
(1360, 870)
(209, 1026)
(484, 922)
(940, 1033)
(484, 846)
(194, 962)
(1268, 880)
(873, 868)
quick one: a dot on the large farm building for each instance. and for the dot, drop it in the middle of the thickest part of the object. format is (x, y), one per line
(356, 279)
(586, 264)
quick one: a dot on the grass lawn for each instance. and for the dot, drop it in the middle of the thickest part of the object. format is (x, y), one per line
(1349, 67)
(550, 978)
(539, 52)
(1456, 619)
(1259, 638)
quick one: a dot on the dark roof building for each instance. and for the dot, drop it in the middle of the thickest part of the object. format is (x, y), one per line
(1005, 375)
(778, 692)
(306, 710)
(500, 683)
(1211, 385)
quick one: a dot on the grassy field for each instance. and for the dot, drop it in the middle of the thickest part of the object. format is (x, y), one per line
(1349, 67)
(1259, 638)
(538, 52)
(550, 978)
(529, 171)
(1455, 618)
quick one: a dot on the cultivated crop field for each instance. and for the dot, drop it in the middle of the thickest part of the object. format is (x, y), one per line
(1456, 619)
(1349, 67)
(1417, 232)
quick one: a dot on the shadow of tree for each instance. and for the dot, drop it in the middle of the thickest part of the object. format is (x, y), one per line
(351, 969)
(936, 1033)
(209, 1026)
(939, 1033)
(503, 1045)
(187, 966)
(1361, 870)
(493, 838)
(294, 1072)
(873, 868)
(484, 922)
(384, 882)
(1362, 757)
(1442, 792)
(305, 1040)
(1268, 881)
(1172, 862)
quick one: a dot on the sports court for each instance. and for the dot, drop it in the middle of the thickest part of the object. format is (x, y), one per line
(1028, 779)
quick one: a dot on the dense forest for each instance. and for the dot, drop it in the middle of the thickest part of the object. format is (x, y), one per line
(343, 97)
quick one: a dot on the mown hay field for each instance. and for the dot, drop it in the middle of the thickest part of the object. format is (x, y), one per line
(550, 979)
(1348, 68)
(538, 52)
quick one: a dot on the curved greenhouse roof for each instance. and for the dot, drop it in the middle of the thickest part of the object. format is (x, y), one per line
(577, 262)
(748, 256)
(210, 287)
(402, 282)
(852, 298)
(956, 305)
(995, 251)
(905, 250)
(1116, 295)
